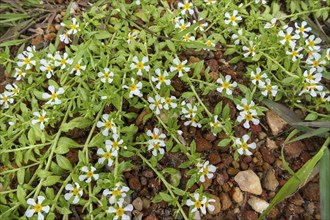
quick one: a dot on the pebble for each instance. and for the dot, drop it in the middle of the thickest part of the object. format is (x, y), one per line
(226, 187)
(267, 155)
(297, 199)
(232, 171)
(148, 173)
(144, 181)
(207, 183)
(138, 204)
(270, 181)
(134, 183)
(214, 158)
(220, 179)
(271, 144)
(311, 192)
(244, 166)
(145, 203)
(202, 144)
(248, 181)
(235, 164)
(139, 119)
(151, 217)
(294, 149)
(209, 136)
(237, 195)
(275, 122)
(225, 201)
(217, 205)
(258, 205)
(250, 215)
(262, 135)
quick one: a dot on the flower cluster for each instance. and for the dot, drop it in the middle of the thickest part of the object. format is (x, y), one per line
(206, 170)
(201, 203)
(190, 111)
(7, 97)
(263, 82)
(247, 113)
(72, 29)
(157, 141)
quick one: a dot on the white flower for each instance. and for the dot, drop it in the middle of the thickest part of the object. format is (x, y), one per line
(244, 146)
(53, 96)
(186, 7)
(316, 62)
(201, 25)
(257, 77)
(327, 54)
(140, 65)
(310, 77)
(89, 174)
(118, 193)
(115, 143)
(13, 89)
(287, 37)
(187, 37)
(156, 142)
(25, 59)
(169, 102)
(232, 18)
(157, 147)
(137, 2)
(108, 124)
(192, 122)
(156, 103)
(206, 170)
(246, 106)
(197, 203)
(74, 27)
(5, 99)
(262, 2)
(302, 29)
(119, 210)
(271, 24)
(41, 119)
(156, 135)
(62, 61)
(132, 36)
(311, 43)
(65, 37)
(188, 111)
(209, 2)
(226, 85)
(310, 88)
(134, 88)
(37, 207)
(323, 98)
(182, 25)
(216, 123)
(75, 191)
(247, 117)
(250, 50)
(19, 74)
(47, 67)
(268, 88)
(78, 68)
(106, 76)
(179, 66)
(161, 78)
(109, 154)
(295, 53)
(237, 37)
(209, 43)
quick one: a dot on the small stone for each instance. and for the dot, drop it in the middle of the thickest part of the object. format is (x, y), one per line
(258, 205)
(209, 136)
(214, 158)
(311, 208)
(294, 149)
(244, 166)
(250, 215)
(145, 203)
(226, 187)
(275, 122)
(311, 192)
(270, 181)
(237, 195)
(232, 171)
(50, 37)
(262, 135)
(213, 64)
(148, 173)
(235, 164)
(207, 183)
(151, 217)
(58, 19)
(217, 205)
(271, 144)
(138, 204)
(214, 75)
(297, 199)
(134, 183)
(220, 179)
(37, 40)
(248, 181)
(51, 28)
(267, 155)
(225, 201)
(144, 181)
(202, 144)
(139, 119)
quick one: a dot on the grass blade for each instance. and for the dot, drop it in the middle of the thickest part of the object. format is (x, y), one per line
(324, 185)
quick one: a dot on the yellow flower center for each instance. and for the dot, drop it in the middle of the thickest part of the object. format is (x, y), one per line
(140, 65)
(186, 37)
(74, 27)
(75, 191)
(156, 146)
(27, 61)
(183, 27)
(115, 144)
(248, 117)
(257, 77)
(120, 212)
(132, 87)
(186, 6)
(106, 76)
(63, 61)
(198, 204)
(109, 124)
(116, 192)
(168, 100)
(310, 76)
(107, 155)
(89, 174)
(161, 78)
(294, 53)
(302, 29)
(49, 68)
(157, 103)
(251, 50)
(42, 118)
(53, 96)
(205, 171)
(244, 146)
(155, 136)
(179, 67)
(316, 63)
(246, 108)
(226, 85)
(77, 66)
(311, 43)
(215, 124)
(208, 43)
(232, 18)
(19, 72)
(5, 99)
(288, 37)
(37, 207)
(269, 87)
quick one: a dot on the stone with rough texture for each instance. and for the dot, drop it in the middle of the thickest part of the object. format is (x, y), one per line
(294, 149)
(217, 205)
(248, 181)
(138, 204)
(270, 181)
(271, 144)
(202, 144)
(225, 201)
(275, 122)
(237, 195)
(258, 205)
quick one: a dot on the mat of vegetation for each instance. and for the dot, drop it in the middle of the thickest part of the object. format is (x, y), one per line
(148, 109)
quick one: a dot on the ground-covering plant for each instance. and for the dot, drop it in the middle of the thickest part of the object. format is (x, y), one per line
(118, 66)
